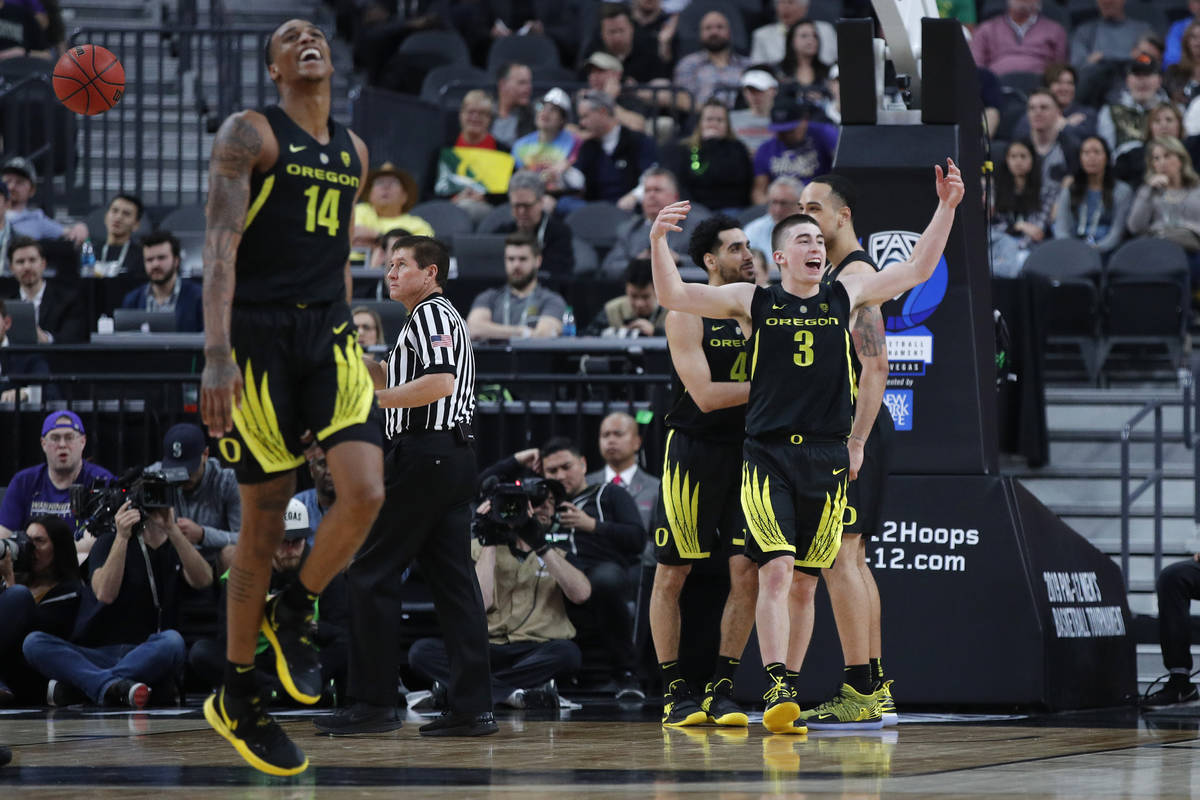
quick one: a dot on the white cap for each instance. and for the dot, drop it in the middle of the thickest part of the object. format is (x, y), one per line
(557, 97)
(759, 79)
(296, 517)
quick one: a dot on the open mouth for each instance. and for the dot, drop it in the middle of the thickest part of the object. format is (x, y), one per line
(310, 54)
(814, 263)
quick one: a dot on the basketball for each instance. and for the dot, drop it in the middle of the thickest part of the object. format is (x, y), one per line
(89, 79)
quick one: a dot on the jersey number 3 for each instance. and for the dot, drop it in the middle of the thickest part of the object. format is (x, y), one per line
(804, 349)
(324, 212)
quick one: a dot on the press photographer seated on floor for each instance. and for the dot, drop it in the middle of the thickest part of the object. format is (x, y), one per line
(124, 640)
(524, 578)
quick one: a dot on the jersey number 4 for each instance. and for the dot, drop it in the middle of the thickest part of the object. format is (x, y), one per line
(804, 348)
(322, 210)
(737, 372)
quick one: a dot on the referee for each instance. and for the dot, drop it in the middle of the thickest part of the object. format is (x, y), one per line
(429, 400)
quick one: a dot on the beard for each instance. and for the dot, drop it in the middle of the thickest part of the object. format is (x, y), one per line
(520, 282)
(715, 44)
(162, 279)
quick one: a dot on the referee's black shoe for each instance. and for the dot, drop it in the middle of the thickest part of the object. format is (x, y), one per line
(297, 661)
(359, 718)
(257, 738)
(455, 724)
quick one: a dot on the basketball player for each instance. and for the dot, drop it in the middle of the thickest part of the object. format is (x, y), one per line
(282, 358)
(699, 508)
(830, 200)
(798, 416)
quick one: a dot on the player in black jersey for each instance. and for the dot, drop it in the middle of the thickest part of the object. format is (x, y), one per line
(830, 200)
(282, 358)
(798, 416)
(701, 481)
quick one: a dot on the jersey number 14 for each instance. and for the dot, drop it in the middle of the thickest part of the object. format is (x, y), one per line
(322, 211)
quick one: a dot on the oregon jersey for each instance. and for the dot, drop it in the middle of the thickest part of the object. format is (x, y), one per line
(725, 351)
(831, 275)
(297, 233)
(801, 380)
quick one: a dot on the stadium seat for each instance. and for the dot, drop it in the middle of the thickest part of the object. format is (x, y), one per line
(466, 75)
(748, 215)
(498, 216)
(391, 313)
(24, 326)
(1147, 296)
(480, 255)
(597, 223)
(378, 114)
(533, 50)
(446, 47)
(828, 10)
(185, 219)
(447, 219)
(1072, 312)
(689, 25)
(586, 260)
(1151, 12)
(97, 232)
(1025, 82)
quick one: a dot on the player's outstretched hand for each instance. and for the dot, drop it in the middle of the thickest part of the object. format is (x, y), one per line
(666, 220)
(950, 187)
(220, 391)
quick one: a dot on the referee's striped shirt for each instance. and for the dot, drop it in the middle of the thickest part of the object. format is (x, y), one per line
(434, 339)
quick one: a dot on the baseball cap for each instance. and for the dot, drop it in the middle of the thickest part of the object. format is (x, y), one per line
(1143, 64)
(759, 79)
(62, 419)
(557, 97)
(295, 521)
(788, 112)
(608, 61)
(182, 447)
(21, 166)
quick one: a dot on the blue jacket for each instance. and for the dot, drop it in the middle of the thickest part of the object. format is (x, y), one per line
(189, 310)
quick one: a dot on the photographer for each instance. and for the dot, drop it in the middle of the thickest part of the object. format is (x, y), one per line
(39, 591)
(601, 530)
(208, 507)
(529, 632)
(123, 641)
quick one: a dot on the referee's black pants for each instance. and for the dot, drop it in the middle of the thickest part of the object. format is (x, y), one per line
(429, 480)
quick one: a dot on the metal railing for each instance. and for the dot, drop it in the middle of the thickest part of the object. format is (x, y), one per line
(1153, 479)
(34, 124)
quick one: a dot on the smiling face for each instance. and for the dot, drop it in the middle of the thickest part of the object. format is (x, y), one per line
(802, 254)
(732, 262)
(517, 87)
(475, 119)
(1063, 88)
(299, 52)
(819, 202)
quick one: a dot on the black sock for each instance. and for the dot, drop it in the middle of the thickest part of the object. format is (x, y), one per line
(877, 669)
(725, 668)
(298, 598)
(1180, 679)
(793, 675)
(241, 680)
(859, 678)
(670, 674)
(776, 671)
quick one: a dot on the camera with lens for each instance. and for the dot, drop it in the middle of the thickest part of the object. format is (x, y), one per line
(96, 505)
(509, 514)
(19, 548)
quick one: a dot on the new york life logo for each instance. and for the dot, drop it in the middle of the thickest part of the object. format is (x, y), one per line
(909, 341)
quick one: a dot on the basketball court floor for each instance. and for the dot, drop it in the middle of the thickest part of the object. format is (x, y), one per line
(602, 750)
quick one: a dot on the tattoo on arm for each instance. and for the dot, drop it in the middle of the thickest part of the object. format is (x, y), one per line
(868, 333)
(236, 149)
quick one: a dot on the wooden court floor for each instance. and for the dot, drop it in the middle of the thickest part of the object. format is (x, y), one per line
(605, 751)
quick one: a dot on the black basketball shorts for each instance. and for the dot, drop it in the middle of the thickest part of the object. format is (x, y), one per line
(794, 499)
(302, 370)
(865, 495)
(699, 508)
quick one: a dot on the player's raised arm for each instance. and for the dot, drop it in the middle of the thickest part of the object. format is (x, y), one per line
(720, 302)
(875, 288)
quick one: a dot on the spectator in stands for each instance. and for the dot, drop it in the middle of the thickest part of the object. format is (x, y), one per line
(379, 30)
(1080, 120)
(21, 177)
(714, 65)
(1021, 210)
(1103, 81)
(331, 616)
(1109, 37)
(124, 641)
(1057, 148)
(802, 147)
(1177, 585)
(1173, 51)
(659, 189)
(20, 364)
(379, 254)
(208, 508)
(523, 308)
(768, 44)
(802, 69)
(121, 252)
(20, 33)
(166, 290)
(1020, 40)
(320, 497)
(1093, 205)
(1122, 123)
(750, 124)
(57, 310)
(639, 56)
(526, 198)
(604, 73)
(514, 115)
(46, 488)
(654, 29)
(369, 325)
(765, 272)
(612, 157)
(1182, 80)
(524, 578)
(1162, 121)
(634, 313)
(783, 200)
(390, 194)
(1167, 206)
(41, 593)
(485, 21)
(620, 446)
(475, 116)
(551, 149)
(713, 166)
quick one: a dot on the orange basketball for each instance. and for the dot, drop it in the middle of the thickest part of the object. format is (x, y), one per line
(89, 79)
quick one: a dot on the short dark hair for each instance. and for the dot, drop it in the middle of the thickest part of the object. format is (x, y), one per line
(706, 238)
(639, 273)
(393, 233)
(130, 198)
(519, 239)
(782, 227)
(842, 187)
(427, 250)
(21, 242)
(62, 538)
(268, 58)
(507, 67)
(158, 237)
(611, 10)
(559, 443)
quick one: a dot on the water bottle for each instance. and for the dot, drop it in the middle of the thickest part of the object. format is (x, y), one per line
(104, 324)
(87, 258)
(568, 328)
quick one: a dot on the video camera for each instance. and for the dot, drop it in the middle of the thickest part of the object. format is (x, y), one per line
(19, 548)
(96, 505)
(510, 507)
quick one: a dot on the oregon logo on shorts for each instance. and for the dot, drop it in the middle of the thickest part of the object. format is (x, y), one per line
(230, 449)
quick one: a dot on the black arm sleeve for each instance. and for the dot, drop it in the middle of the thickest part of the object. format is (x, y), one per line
(622, 523)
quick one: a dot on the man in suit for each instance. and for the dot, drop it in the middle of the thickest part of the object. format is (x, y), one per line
(166, 291)
(659, 188)
(612, 157)
(59, 315)
(620, 443)
(18, 364)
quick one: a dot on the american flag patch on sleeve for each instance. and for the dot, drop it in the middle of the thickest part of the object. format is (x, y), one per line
(441, 340)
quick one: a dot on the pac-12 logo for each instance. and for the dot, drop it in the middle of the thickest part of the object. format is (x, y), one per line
(912, 308)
